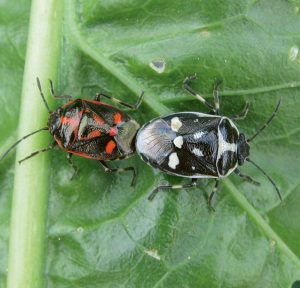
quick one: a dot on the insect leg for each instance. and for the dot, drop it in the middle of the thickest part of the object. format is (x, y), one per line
(243, 114)
(186, 86)
(51, 146)
(42, 94)
(69, 157)
(110, 170)
(162, 187)
(216, 97)
(133, 107)
(213, 192)
(58, 96)
(246, 177)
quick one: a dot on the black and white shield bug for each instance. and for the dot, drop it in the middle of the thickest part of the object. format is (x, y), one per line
(197, 145)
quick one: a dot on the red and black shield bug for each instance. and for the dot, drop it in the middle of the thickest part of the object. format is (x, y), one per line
(197, 145)
(91, 129)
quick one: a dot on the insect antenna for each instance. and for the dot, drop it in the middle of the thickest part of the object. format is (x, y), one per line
(270, 179)
(266, 123)
(42, 94)
(20, 140)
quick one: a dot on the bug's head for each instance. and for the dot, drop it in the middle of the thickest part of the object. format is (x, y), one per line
(126, 135)
(243, 149)
(54, 120)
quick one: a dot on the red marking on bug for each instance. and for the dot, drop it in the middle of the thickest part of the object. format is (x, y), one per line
(71, 121)
(113, 132)
(98, 119)
(110, 146)
(117, 118)
(94, 134)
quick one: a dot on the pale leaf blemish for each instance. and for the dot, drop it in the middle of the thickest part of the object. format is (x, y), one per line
(272, 243)
(79, 229)
(153, 253)
(205, 33)
(158, 65)
(293, 53)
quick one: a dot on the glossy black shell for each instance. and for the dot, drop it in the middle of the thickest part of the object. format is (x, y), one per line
(190, 144)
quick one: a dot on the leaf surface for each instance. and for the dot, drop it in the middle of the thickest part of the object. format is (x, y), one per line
(103, 233)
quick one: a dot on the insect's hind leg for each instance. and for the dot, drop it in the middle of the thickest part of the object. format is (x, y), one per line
(163, 187)
(114, 170)
(51, 146)
(133, 107)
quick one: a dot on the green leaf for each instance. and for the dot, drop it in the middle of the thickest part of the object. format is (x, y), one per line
(99, 231)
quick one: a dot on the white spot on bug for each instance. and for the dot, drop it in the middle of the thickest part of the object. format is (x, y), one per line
(199, 134)
(175, 124)
(173, 160)
(196, 120)
(223, 145)
(294, 51)
(153, 253)
(197, 152)
(178, 141)
(193, 168)
(158, 65)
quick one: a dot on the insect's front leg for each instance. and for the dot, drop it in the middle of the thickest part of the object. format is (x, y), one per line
(246, 177)
(213, 192)
(68, 97)
(51, 146)
(133, 107)
(243, 114)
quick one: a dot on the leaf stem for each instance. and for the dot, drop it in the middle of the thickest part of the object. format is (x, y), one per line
(30, 195)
